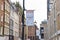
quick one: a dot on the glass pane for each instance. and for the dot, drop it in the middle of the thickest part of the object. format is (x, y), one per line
(6, 31)
(1, 18)
(11, 24)
(1, 30)
(11, 32)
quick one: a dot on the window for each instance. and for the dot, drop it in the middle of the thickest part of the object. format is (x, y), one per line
(1, 6)
(55, 26)
(11, 37)
(11, 24)
(10, 32)
(41, 30)
(6, 31)
(1, 30)
(50, 6)
(16, 34)
(7, 7)
(1, 18)
(42, 36)
(6, 18)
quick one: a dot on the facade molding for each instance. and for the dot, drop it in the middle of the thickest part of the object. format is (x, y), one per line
(54, 35)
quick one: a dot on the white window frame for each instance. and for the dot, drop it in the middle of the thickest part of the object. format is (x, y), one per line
(1, 18)
(1, 6)
(1, 30)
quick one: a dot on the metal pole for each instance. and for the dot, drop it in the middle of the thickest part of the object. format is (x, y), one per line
(35, 31)
(23, 22)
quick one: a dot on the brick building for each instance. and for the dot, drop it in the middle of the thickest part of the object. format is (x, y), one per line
(31, 32)
(42, 31)
(10, 21)
(45, 29)
(4, 19)
(1, 16)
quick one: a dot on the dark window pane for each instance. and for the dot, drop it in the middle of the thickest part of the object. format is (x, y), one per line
(42, 36)
(11, 32)
(11, 37)
(11, 24)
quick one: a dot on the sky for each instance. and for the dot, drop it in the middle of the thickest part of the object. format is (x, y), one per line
(40, 7)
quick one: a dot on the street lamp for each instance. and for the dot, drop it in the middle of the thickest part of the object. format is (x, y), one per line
(23, 21)
(35, 29)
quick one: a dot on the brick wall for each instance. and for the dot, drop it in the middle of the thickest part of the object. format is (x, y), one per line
(31, 32)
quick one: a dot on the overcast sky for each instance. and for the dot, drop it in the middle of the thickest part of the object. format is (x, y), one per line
(40, 7)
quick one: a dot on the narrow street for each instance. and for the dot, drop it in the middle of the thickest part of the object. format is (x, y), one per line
(29, 19)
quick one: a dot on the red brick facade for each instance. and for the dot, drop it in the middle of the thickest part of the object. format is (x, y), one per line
(1, 15)
(31, 32)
